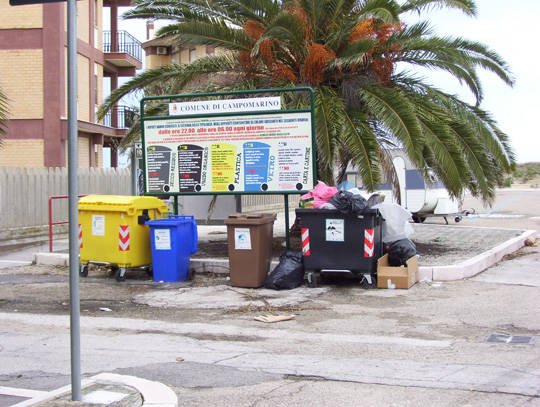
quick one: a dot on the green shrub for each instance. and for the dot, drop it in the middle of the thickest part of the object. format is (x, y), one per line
(526, 172)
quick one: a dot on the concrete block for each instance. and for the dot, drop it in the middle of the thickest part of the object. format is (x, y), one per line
(52, 259)
(217, 266)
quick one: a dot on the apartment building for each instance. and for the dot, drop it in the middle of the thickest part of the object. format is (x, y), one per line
(164, 51)
(33, 75)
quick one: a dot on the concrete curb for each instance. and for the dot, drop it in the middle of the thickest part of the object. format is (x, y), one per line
(154, 394)
(50, 395)
(475, 265)
(459, 271)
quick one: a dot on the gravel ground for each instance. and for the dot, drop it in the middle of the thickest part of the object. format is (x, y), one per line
(444, 245)
(437, 245)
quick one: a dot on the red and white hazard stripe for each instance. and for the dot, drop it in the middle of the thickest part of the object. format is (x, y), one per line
(369, 238)
(123, 238)
(80, 236)
(305, 242)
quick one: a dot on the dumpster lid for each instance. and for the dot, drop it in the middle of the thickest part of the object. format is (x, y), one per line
(326, 212)
(250, 218)
(121, 203)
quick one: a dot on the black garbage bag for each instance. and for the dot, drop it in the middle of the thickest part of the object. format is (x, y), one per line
(400, 251)
(349, 203)
(288, 274)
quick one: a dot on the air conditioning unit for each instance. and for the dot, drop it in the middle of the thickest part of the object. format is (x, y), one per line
(161, 50)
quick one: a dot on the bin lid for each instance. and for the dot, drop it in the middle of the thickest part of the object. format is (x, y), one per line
(174, 220)
(326, 212)
(250, 218)
(121, 203)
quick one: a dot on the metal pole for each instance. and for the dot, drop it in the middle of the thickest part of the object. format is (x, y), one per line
(74, 298)
(134, 189)
(287, 240)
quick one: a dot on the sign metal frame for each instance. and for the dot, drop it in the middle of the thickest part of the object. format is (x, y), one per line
(246, 93)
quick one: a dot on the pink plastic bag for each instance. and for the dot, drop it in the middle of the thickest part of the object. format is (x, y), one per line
(321, 194)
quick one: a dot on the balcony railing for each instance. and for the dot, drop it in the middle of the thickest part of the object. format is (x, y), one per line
(120, 117)
(125, 43)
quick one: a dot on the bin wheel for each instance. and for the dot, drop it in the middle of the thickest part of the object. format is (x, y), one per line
(457, 219)
(120, 274)
(418, 219)
(150, 271)
(190, 274)
(366, 284)
(83, 270)
(311, 279)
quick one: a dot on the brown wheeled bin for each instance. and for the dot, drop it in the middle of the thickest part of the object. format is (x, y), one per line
(249, 238)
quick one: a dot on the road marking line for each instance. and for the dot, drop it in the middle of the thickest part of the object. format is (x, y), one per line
(12, 391)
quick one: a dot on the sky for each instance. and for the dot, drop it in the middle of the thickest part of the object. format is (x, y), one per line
(510, 28)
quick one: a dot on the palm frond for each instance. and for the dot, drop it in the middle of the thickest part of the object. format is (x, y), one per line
(327, 122)
(212, 33)
(390, 174)
(181, 74)
(385, 10)
(391, 107)
(364, 149)
(466, 6)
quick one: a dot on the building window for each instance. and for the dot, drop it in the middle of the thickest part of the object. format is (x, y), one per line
(192, 55)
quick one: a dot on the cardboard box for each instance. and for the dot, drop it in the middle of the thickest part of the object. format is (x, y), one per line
(396, 277)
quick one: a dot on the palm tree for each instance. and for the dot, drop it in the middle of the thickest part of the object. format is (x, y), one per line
(358, 56)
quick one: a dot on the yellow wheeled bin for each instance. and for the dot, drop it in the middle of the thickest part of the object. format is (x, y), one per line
(112, 231)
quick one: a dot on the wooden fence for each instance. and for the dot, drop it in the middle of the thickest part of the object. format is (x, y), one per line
(24, 192)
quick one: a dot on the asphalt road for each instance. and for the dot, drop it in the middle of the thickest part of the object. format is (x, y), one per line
(346, 346)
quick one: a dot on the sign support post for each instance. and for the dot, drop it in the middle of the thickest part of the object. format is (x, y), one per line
(287, 241)
(74, 297)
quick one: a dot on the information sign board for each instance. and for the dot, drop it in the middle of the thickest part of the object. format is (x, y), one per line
(256, 152)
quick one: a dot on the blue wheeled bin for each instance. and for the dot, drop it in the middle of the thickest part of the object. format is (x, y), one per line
(333, 242)
(173, 240)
